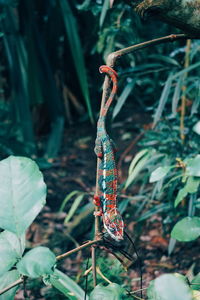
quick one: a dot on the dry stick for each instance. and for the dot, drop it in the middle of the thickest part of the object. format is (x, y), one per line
(88, 244)
(183, 98)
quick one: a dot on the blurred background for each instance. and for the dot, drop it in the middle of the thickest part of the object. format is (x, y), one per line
(50, 92)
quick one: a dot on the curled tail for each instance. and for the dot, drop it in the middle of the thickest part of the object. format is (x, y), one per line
(113, 75)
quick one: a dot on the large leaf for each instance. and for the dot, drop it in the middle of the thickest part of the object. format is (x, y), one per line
(186, 230)
(67, 286)
(8, 278)
(169, 287)
(11, 249)
(111, 292)
(37, 262)
(22, 193)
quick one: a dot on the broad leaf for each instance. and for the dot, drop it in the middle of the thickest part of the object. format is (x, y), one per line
(5, 280)
(22, 193)
(186, 230)
(168, 287)
(111, 292)
(67, 286)
(159, 173)
(37, 262)
(11, 249)
(193, 166)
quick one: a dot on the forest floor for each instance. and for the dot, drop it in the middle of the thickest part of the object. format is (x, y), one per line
(75, 170)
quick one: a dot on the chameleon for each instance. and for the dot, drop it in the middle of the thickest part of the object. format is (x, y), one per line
(107, 174)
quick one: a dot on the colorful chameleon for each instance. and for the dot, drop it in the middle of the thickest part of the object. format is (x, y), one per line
(107, 176)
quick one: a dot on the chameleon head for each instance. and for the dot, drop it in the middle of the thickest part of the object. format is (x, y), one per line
(114, 224)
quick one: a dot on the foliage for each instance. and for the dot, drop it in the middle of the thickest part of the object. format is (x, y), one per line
(171, 286)
(22, 195)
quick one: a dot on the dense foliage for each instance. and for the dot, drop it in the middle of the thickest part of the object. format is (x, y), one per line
(51, 51)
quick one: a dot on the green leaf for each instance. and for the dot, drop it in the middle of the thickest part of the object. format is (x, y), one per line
(186, 230)
(136, 166)
(104, 12)
(186, 70)
(196, 128)
(181, 195)
(195, 284)
(156, 209)
(5, 280)
(11, 249)
(191, 187)
(76, 51)
(22, 193)
(74, 207)
(168, 287)
(163, 100)
(37, 262)
(122, 98)
(111, 292)
(159, 173)
(192, 184)
(67, 198)
(136, 159)
(176, 95)
(193, 166)
(67, 286)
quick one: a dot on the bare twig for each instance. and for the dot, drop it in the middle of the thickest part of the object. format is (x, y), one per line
(183, 98)
(86, 245)
(12, 285)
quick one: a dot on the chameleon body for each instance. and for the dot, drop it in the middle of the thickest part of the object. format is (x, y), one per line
(107, 176)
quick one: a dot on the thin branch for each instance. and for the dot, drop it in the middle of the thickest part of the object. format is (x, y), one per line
(88, 244)
(94, 268)
(184, 87)
(111, 60)
(12, 285)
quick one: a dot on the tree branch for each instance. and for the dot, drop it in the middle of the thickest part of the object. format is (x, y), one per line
(182, 14)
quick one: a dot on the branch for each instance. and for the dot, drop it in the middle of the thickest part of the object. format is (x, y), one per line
(182, 14)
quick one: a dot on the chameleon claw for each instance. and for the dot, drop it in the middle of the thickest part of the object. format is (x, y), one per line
(97, 200)
(98, 213)
(100, 155)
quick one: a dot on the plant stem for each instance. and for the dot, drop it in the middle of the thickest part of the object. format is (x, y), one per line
(111, 60)
(88, 244)
(183, 98)
(94, 268)
(12, 285)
